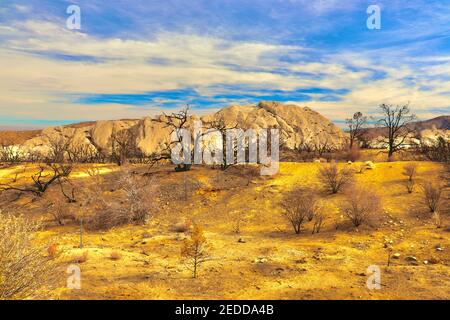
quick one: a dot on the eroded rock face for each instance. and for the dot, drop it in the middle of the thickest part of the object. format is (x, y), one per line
(297, 125)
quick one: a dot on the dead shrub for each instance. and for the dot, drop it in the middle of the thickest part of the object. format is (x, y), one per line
(354, 153)
(410, 171)
(52, 250)
(81, 258)
(115, 255)
(24, 268)
(182, 226)
(333, 178)
(61, 212)
(195, 250)
(432, 195)
(299, 206)
(437, 219)
(318, 222)
(133, 202)
(361, 204)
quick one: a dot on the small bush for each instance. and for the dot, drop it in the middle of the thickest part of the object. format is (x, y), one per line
(432, 194)
(81, 258)
(52, 250)
(24, 268)
(195, 250)
(410, 171)
(182, 226)
(115, 255)
(134, 202)
(333, 178)
(299, 206)
(318, 222)
(361, 205)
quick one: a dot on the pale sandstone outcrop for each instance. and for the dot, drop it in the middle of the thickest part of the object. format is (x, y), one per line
(297, 125)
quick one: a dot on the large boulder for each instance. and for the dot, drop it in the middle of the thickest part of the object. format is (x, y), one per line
(297, 126)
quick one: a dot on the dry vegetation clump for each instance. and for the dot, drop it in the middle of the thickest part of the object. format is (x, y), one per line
(61, 212)
(333, 178)
(115, 255)
(410, 171)
(43, 179)
(133, 202)
(81, 258)
(24, 268)
(354, 153)
(318, 220)
(195, 250)
(361, 205)
(237, 218)
(182, 226)
(52, 250)
(300, 206)
(433, 195)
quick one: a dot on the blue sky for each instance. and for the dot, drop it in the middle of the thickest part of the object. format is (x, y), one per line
(136, 58)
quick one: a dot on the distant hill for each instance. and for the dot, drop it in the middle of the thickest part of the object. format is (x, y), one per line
(442, 123)
(297, 125)
(438, 123)
(17, 137)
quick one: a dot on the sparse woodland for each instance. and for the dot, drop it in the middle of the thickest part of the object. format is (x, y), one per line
(137, 219)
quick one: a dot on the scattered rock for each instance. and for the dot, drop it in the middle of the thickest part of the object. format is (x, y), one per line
(411, 259)
(241, 240)
(369, 165)
(396, 255)
(260, 260)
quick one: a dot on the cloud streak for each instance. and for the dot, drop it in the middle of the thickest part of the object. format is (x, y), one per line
(255, 51)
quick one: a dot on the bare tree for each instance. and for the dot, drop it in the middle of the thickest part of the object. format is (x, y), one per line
(355, 126)
(60, 211)
(24, 269)
(67, 188)
(79, 152)
(41, 180)
(361, 205)
(195, 250)
(219, 125)
(397, 121)
(123, 145)
(334, 178)
(439, 151)
(9, 152)
(318, 222)
(299, 206)
(177, 122)
(433, 195)
(410, 171)
(58, 144)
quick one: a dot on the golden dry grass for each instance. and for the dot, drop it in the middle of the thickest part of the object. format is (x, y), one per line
(266, 260)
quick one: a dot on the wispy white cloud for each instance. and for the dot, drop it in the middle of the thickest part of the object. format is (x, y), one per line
(44, 65)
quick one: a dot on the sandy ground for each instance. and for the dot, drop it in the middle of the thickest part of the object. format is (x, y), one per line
(266, 260)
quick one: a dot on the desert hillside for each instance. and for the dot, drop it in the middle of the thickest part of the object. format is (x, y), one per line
(253, 252)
